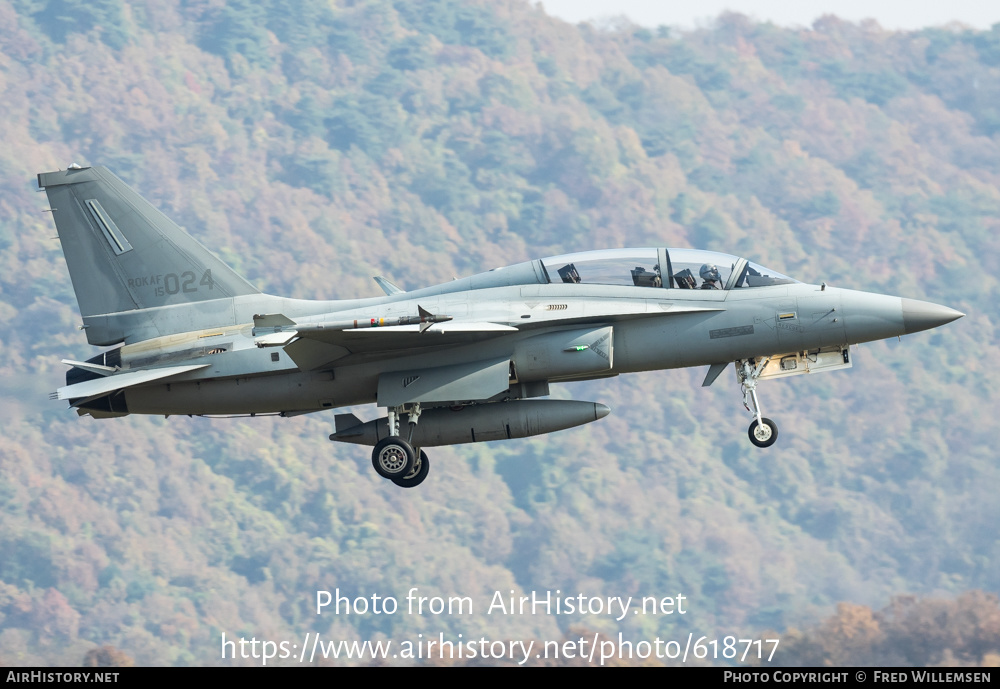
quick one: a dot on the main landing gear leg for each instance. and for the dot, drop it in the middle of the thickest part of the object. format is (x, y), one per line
(421, 465)
(412, 421)
(763, 432)
(395, 458)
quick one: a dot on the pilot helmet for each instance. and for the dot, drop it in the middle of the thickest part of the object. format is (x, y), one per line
(710, 272)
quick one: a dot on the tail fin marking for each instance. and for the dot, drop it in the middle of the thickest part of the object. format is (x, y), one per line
(124, 255)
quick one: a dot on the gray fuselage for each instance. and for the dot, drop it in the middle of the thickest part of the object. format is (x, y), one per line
(242, 378)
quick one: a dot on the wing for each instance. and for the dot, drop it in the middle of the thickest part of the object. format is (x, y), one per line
(312, 349)
(406, 336)
(315, 345)
(111, 383)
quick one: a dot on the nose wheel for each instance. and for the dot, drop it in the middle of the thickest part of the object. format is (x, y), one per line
(763, 432)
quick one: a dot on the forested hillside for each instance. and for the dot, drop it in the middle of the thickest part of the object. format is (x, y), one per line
(315, 144)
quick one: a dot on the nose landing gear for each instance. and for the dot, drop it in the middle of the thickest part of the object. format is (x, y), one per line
(763, 432)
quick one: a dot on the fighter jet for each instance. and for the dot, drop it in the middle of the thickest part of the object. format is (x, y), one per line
(468, 361)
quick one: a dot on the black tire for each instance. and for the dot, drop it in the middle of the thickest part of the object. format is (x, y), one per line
(417, 476)
(393, 458)
(766, 435)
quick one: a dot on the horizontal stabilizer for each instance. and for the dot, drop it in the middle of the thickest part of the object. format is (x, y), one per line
(91, 367)
(102, 386)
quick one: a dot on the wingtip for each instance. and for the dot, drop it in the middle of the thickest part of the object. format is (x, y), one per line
(386, 285)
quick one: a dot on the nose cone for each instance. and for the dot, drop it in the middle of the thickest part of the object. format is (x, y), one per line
(601, 410)
(923, 315)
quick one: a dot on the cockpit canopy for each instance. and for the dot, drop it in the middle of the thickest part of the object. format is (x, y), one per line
(671, 268)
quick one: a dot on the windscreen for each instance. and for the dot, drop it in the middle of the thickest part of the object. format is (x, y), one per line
(756, 275)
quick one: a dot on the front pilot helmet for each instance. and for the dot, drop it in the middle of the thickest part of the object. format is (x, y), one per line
(710, 272)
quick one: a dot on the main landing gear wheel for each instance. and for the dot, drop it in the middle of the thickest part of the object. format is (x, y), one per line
(419, 473)
(393, 458)
(763, 435)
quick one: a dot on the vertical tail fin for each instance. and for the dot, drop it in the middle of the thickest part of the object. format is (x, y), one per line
(124, 255)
